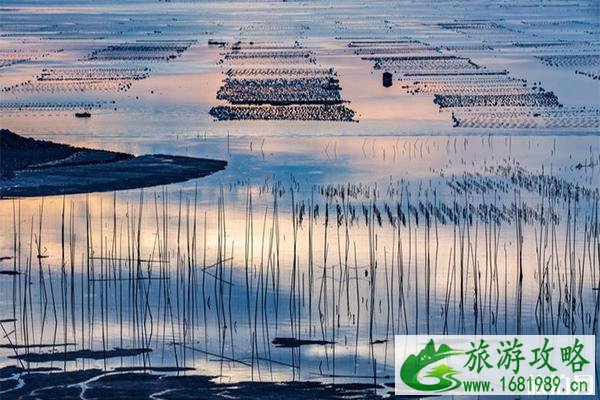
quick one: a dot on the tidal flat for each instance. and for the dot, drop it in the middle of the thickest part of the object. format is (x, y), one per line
(457, 195)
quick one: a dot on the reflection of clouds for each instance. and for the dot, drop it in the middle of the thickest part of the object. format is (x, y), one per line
(295, 151)
(363, 351)
(337, 160)
(174, 120)
(233, 373)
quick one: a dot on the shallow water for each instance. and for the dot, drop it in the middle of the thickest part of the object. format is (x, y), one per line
(315, 230)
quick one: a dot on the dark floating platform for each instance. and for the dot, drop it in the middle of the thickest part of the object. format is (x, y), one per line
(289, 342)
(9, 272)
(80, 354)
(30, 167)
(35, 346)
(154, 369)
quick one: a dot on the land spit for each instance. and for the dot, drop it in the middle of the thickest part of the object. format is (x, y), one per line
(30, 167)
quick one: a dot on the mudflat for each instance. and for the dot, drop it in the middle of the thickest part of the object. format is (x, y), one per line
(31, 167)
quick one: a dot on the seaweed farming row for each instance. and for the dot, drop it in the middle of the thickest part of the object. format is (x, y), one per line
(291, 112)
(476, 96)
(582, 64)
(111, 69)
(416, 64)
(563, 51)
(18, 56)
(50, 108)
(81, 79)
(577, 117)
(142, 50)
(278, 84)
(292, 72)
(281, 91)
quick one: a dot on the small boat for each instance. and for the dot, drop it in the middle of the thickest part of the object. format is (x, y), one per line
(84, 114)
(387, 79)
(213, 42)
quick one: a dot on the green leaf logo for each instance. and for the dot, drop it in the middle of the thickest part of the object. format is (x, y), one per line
(413, 365)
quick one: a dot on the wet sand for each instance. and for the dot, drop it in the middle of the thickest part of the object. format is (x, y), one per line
(97, 384)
